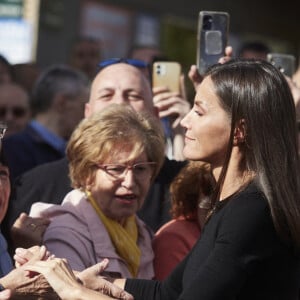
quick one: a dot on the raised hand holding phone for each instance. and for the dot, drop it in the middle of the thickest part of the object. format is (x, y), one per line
(169, 98)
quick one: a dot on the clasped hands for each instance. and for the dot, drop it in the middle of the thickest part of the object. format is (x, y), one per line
(38, 272)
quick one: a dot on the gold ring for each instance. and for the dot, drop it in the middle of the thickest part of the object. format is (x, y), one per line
(33, 226)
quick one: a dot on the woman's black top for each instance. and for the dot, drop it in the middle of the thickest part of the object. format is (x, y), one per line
(239, 256)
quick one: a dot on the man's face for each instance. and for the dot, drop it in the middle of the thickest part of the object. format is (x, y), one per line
(122, 84)
(14, 107)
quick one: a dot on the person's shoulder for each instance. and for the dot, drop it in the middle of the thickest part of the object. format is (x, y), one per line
(179, 228)
(247, 209)
(70, 214)
(57, 168)
(22, 136)
(251, 197)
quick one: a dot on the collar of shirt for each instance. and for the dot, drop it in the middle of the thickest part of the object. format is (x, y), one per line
(52, 139)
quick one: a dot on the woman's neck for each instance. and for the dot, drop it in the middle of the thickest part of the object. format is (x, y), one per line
(237, 176)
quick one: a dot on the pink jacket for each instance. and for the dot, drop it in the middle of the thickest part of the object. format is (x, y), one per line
(77, 234)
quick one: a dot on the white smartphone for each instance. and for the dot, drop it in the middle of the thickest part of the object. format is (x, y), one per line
(167, 73)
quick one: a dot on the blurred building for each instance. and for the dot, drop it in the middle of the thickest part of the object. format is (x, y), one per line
(50, 26)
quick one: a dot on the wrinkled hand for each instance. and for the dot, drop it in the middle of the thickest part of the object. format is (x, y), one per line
(194, 75)
(92, 279)
(28, 231)
(58, 274)
(15, 279)
(62, 279)
(23, 284)
(171, 104)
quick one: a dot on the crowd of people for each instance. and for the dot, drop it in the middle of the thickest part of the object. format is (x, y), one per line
(92, 206)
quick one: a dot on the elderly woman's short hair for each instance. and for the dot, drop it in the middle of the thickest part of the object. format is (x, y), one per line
(115, 129)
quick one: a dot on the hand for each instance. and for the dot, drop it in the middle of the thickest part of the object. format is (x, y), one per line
(24, 284)
(228, 55)
(62, 279)
(58, 274)
(170, 104)
(23, 256)
(194, 75)
(15, 279)
(6, 294)
(28, 231)
(92, 279)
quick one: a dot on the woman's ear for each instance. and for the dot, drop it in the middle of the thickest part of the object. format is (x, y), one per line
(239, 133)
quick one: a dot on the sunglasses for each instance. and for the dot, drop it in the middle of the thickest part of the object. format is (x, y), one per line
(133, 62)
(17, 112)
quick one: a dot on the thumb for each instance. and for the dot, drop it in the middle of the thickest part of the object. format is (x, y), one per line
(100, 267)
(95, 269)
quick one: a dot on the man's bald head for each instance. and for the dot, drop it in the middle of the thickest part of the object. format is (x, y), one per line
(120, 83)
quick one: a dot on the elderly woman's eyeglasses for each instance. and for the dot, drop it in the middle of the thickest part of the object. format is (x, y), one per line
(142, 171)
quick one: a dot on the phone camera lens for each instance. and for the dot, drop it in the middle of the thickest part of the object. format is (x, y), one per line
(207, 22)
(158, 69)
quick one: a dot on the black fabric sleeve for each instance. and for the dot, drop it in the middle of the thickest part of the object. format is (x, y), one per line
(155, 290)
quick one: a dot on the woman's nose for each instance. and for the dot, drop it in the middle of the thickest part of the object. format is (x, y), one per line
(184, 121)
(128, 179)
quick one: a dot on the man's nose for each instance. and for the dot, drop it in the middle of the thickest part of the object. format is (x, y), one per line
(119, 98)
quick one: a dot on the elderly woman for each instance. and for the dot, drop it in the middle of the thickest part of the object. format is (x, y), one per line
(113, 158)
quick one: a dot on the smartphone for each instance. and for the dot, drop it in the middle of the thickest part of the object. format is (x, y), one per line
(212, 37)
(286, 63)
(167, 73)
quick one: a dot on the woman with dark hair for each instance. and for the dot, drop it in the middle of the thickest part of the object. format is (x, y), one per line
(243, 123)
(190, 191)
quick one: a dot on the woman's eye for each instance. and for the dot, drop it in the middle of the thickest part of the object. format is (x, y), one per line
(198, 113)
(116, 169)
(140, 168)
(3, 174)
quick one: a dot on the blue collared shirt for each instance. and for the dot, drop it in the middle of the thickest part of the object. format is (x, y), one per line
(52, 139)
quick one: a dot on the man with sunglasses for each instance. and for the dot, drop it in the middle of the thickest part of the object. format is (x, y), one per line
(57, 101)
(14, 107)
(118, 81)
